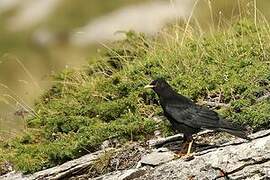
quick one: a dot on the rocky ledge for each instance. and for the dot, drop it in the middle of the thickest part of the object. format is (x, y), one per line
(236, 159)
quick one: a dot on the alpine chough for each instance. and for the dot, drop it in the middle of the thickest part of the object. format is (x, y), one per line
(189, 118)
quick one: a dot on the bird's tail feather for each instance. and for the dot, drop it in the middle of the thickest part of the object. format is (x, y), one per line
(233, 129)
(237, 133)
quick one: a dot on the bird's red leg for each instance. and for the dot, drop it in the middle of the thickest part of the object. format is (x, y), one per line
(186, 147)
(189, 156)
(183, 150)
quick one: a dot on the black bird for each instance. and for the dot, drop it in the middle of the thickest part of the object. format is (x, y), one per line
(189, 118)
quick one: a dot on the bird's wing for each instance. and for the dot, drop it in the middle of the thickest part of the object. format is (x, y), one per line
(193, 115)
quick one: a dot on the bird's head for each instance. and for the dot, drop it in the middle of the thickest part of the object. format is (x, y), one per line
(160, 86)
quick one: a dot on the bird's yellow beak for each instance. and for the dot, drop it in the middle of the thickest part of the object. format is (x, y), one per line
(149, 86)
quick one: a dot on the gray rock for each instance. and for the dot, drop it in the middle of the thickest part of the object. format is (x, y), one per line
(13, 176)
(235, 160)
(105, 144)
(58, 172)
(156, 158)
(123, 175)
(162, 141)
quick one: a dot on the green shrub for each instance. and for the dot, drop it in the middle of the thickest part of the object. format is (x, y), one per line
(107, 100)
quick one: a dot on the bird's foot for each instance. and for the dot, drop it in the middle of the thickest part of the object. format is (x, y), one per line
(188, 157)
(180, 154)
(184, 156)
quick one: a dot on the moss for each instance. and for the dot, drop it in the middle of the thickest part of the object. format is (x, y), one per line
(107, 100)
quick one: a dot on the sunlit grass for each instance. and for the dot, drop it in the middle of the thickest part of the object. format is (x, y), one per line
(106, 100)
(25, 67)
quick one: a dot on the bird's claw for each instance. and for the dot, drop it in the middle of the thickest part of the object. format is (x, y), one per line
(184, 156)
(180, 154)
(188, 157)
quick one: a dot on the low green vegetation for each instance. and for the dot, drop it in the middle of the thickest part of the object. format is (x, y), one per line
(106, 100)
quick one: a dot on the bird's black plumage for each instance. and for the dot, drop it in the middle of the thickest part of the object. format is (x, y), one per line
(188, 117)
